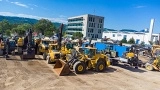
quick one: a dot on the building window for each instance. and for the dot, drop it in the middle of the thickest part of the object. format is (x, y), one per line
(94, 24)
(91, 30)
(96, 35)
(99, 30)
(89, 18)
(88, 35)
(113, 35)
(89, 24)
(92, 35)
(125, 37)
(100, 20)
(98, 26)
(93, 19)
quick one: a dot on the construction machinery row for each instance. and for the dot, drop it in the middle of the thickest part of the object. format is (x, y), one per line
(75, 56)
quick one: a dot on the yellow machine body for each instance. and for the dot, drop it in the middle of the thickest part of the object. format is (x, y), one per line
(20, 42)
(154, 64)
(53, 53)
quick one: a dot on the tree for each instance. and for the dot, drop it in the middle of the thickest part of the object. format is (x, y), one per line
(45, 27)
(142, 43)
(150, 42)
(4, 25)
(124, 40)
(8, 32)
(131, 41)
(77, 35)
(21, 29)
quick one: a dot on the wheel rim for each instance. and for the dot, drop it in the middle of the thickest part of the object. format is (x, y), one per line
(108, 63)
(149, 67)
(101, 67)
(80, 68)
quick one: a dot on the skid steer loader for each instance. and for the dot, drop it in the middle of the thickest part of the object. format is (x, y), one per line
(154, 62)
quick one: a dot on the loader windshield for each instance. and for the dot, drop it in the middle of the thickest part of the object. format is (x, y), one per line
(89, 52)
(54, 47)
(69, 46)
(157, 52)
(45, 42)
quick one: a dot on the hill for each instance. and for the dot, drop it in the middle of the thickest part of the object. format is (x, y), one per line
(26, 20)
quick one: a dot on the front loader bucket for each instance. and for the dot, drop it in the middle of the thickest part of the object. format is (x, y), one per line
(61, 68)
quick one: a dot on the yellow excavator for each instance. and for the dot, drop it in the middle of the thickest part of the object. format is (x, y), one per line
(154, 62)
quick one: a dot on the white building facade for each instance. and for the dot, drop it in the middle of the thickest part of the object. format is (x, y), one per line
(139, 36)
(89, 25)
(128, 34)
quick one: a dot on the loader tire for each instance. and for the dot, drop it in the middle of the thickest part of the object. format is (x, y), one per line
(100, 66)
(48, 60)
(20, 50)
(44, 56)
(149, 66)
(38, 52)
(79, 67)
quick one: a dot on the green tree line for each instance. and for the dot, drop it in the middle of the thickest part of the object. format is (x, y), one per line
(43, 26)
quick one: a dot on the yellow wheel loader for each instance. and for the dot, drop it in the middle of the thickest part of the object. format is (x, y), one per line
(80, 61)
(66, 50)
(53, 53)
(154, 62)
(43, 47)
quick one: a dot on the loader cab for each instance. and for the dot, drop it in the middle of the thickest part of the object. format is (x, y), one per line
(90, 51)
(69, 46)
(45, 42)
(157, 52)
(53, 47)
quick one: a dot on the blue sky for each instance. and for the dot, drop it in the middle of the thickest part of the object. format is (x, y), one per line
(119, 14)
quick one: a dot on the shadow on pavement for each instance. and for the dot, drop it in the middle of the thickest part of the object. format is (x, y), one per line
(131, 68)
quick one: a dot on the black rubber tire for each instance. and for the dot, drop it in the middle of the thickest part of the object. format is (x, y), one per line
(98, 65)
(20, 51)
(149, 66)
(48, 60)
(38, 53)
(44, 56)
(76, 65)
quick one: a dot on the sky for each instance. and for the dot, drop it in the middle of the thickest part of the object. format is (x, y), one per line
(119, 14)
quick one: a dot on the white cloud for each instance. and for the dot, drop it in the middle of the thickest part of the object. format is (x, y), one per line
(140, 6)
(61, 20)
(20, 4)
(62, 16)
(33, 5)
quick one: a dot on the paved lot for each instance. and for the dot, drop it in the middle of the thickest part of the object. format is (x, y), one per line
(38, 75)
